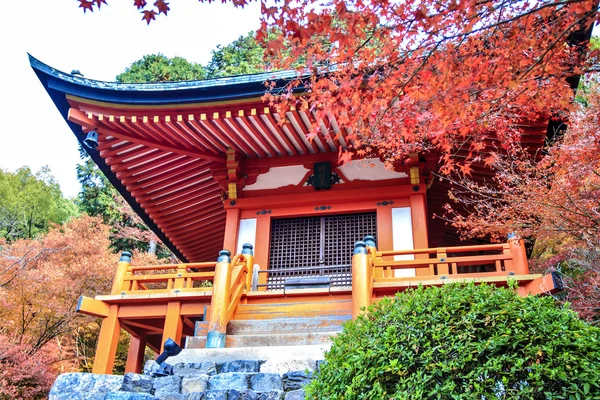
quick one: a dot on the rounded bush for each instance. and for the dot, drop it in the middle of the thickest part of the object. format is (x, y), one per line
(462, 342)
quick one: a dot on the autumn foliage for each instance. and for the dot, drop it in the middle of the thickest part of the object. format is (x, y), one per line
(42, 280)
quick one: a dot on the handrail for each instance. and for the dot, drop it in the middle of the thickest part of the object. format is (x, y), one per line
(174, 277)
(370, 266)
(232, 279)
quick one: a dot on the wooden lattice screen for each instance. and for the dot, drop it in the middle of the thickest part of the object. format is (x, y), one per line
(316, 246)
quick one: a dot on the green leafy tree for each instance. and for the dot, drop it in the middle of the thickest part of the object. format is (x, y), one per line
(30, 202)
(245, 55)
(159, 68)
(462, 342)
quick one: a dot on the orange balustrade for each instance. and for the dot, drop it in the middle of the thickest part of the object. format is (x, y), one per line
(372, 269)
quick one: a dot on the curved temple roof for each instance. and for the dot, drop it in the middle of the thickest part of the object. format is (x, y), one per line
(159, 144)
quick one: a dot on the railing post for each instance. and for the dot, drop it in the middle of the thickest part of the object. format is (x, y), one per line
(372, 249)
(180, 280)
(249, 257)
(217, 325)
(362, 280)
(516, 245)
(122, 269)
(442, 268)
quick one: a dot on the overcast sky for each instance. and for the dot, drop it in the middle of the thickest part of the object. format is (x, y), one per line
(100, 45)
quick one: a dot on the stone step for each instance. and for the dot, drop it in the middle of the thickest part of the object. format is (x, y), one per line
(278, 359)
(270, 340)
(285, 325)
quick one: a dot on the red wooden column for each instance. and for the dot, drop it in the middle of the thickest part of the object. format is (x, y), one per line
(173, 327)
(135, 355)
(107, 342)
(232, 226)
(418, 213)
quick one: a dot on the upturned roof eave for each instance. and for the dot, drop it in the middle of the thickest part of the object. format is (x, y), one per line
(165, 93)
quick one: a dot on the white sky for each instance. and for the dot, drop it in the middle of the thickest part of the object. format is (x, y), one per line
(100, 45)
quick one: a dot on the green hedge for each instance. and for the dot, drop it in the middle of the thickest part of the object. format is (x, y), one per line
(462, 342)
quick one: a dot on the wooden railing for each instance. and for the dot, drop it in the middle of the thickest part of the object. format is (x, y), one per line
(232, 279)
(161, 278)
(370, 266)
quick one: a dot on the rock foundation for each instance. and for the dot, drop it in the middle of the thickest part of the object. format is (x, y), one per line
(232, 380)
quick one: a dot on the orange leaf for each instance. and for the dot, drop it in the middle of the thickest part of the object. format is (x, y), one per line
(163, 7)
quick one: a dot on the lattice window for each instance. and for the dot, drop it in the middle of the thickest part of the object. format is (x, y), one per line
(316, 246)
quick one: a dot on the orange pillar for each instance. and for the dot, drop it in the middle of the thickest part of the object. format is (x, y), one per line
(107, 342)
(516, 245)
(232, 226)
(173, 324)
(418, 214)
(217, 324)
(122, 269)
(135, 355)
(362, 280)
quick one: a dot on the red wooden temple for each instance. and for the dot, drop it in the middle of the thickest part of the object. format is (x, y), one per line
(208, 166)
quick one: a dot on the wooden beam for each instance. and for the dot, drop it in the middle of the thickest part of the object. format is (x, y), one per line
(92, 307)
(80, 118)
(135, 354)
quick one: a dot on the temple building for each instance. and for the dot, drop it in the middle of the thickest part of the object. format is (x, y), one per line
(267, 225)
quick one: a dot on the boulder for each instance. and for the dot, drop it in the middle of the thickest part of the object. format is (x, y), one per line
(265, 382)
(296, 380)
(215, 395)
(137, 383)
(295, 395)
(242, 395)
(271, 395)
(166, 385)
(194, 384)
(194, 369)
(240, 366)
(229, 380)
(84, 386)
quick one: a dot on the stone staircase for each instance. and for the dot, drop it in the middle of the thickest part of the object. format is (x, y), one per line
(272, 351)
(284, 324)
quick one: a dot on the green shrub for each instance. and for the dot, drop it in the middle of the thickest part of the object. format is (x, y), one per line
(462, 342)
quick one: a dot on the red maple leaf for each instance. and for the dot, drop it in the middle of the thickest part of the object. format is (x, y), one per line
(148, 16)
(100, 2)
(162, 6)
(139, 3)
(86, 5)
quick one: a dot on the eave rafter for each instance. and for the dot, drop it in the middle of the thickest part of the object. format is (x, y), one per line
(90, 121)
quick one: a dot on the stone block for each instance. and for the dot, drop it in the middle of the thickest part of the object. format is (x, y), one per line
(195, 369)
(295, 395)
(84, 386)
(198, 383)
(150, 367)
(265, 382)
(193, 396)
(166, 385)
(271, 395)
(242, 395)
(240, 366)
(295, 380)
(129, 396)
(215, 395)
(229, 380)
(137, 383)
(172, 396)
